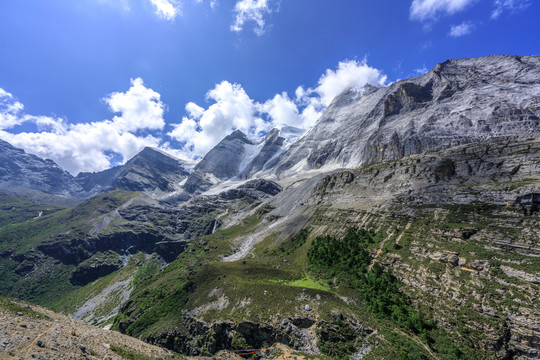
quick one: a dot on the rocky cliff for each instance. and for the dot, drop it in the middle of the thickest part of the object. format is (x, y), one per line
(457, 102)
(22, 173)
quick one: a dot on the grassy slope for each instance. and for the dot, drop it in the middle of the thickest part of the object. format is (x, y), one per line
(262, 289)
(266, 287)
(50, 281)
(74, 221)
(15, 209)
(138, 267)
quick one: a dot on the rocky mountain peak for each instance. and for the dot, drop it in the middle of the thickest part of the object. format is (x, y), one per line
(21, 172)
(149, 170)
(223, 161)
(238, 134)
(237, 156)
(457, 102)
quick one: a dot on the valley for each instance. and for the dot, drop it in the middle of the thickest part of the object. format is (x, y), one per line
(405, 224)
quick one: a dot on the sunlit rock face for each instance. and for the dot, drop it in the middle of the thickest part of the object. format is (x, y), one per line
(457, 102)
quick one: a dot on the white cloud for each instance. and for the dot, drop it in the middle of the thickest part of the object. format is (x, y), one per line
(460, 30)
(203, 128)
(511, 6)
(140, 108)
(232, 108)
(282, 111)
(166, 9)
(349, 74)
(138, 120)
(12, 115)
(9, 110)
(420, 71)
(430, 9)
(89, 146)
(251, 11)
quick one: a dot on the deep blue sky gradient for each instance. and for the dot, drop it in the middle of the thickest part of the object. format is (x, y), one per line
(61, 57)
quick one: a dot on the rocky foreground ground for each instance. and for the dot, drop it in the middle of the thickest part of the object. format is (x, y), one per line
(32, 332)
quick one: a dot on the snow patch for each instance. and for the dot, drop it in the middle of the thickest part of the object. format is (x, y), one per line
(250, 152)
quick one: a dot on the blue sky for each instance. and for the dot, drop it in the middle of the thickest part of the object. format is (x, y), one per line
(89, 83)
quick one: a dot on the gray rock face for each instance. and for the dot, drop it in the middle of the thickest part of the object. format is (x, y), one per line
(224, 159)
(99, 265)
(257, 189)
(222, 162)
(238, 156)
(21, 172)
(272, 146)
(149, 170)
(457, 176)
(457, 102)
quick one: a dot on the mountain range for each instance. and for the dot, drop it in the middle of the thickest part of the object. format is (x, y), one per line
(404, 222)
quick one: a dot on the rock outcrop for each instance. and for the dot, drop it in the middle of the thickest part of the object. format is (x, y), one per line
(32, 332)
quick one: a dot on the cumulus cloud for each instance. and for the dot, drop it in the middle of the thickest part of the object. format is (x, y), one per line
(137, 120)
(9, 110)
(202, 128)
(511, 6)
(251, 11)
(349, 74)
(139, 108)
(166, 9)
(88, 146)
(231, 108)
(420, 71)
(431, 9)
(282, 111)
(460, 30)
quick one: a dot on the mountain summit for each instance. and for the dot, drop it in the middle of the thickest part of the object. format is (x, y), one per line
(149, 170)
(457, 102)
(23, 173)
